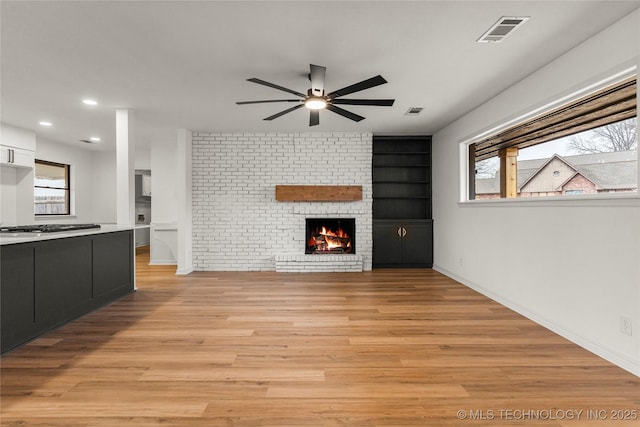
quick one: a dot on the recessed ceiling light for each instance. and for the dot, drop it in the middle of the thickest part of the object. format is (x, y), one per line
(90, 102)
(45, 123)
(95, 139)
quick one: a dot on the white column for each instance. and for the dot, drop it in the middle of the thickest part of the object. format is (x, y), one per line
(183, 187)
(125, 168)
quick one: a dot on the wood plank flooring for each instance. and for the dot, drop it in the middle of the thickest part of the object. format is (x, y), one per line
(380, 348)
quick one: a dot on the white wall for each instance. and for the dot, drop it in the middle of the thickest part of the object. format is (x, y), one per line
(142, 159)
(81, 171)
(17, 137)
(16, 184)
(93, 181)
(164, 210)
(8, 196)
(104, 187)
(572, 265)
(238, 224)
(163, 182)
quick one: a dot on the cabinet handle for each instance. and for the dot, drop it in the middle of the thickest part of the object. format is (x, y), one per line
(404, 232)
(11, 156)
(399, 231)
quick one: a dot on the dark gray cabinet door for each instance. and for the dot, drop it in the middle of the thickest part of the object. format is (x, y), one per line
(398, 243)
(17, 296)
(63, 279)
(417, 243)
(387, 246)
(112, 264)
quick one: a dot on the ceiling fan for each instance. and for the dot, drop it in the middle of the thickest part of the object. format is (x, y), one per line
(316, 99)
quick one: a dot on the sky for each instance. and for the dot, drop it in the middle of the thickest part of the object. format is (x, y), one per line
(544, 151)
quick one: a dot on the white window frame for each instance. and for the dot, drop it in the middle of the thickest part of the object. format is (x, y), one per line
(600, 199)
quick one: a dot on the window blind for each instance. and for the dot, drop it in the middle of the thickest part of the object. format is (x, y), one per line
(608, 105)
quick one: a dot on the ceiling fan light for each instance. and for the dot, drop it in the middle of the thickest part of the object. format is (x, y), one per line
(315, 103)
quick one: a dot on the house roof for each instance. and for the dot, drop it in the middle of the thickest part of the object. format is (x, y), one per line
(608, 171)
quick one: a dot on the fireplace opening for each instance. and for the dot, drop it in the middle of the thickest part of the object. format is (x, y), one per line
(330, 236)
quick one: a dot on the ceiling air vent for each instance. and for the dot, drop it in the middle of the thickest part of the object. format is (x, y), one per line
(413, 111)
(502, 29)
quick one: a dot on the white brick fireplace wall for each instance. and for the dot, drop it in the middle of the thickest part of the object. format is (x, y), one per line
(237, 223)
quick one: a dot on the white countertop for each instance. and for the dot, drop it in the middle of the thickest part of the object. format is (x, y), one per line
(12, 238)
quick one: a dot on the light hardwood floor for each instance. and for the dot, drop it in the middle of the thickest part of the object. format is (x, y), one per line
(381, 348)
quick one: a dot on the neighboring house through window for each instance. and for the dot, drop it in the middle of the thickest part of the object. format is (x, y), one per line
(569, 175)
(588, 146)
(52, 193)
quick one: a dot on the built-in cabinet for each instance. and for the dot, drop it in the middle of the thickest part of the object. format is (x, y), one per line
(406, 243)
(16, 157)
(45, 284)
(402, 219)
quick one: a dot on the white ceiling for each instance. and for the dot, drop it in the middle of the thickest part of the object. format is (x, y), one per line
(184, 64)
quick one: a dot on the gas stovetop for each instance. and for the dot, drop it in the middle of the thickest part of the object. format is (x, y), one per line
(47, 228)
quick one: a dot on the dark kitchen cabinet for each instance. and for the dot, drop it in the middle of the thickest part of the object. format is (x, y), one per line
(45, 284)
(17, 294)
(405, 243)
(113, 266)
(63, 279)
(402, 218)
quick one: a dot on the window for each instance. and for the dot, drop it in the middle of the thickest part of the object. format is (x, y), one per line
(588, 146)
(51, 192)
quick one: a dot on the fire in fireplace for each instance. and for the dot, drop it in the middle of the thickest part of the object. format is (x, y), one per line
(330, 236)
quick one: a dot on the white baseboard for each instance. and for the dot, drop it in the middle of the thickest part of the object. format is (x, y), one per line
(163, 262)
(633, 366)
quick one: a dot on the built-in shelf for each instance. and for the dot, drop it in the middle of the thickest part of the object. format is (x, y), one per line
(402, 218)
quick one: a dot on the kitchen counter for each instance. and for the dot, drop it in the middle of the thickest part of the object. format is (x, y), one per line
(49, 279)
(12, 238)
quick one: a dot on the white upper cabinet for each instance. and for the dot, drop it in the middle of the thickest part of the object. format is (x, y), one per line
(146, 185)
(16, 157)
(17, 147)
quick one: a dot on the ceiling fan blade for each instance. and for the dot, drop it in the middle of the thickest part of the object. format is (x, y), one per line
(357, 87)
(268, 100)
(344, 113)
(262, 82)
(376, 102)
(282, 113)
(314, 117)
(317, 79)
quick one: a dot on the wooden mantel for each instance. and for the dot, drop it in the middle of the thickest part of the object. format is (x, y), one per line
(318, 193)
